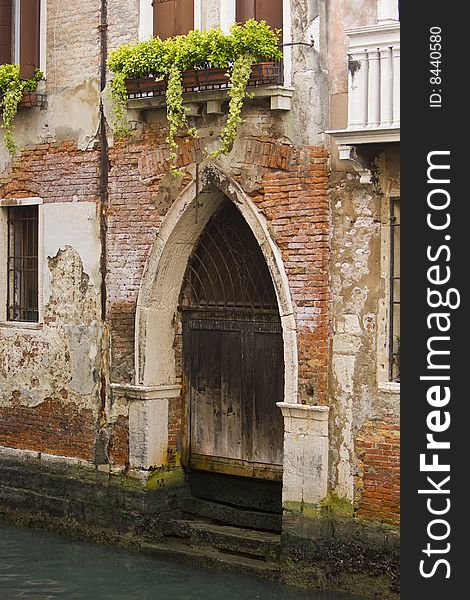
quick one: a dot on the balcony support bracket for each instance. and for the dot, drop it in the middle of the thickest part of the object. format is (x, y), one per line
(358, 162)
(214, 107)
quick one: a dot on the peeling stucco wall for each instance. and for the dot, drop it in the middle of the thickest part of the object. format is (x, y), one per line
(342, 15)
(55, 367)
(358, 403)
(280, 161)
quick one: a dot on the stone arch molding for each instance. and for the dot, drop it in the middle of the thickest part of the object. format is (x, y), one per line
(163, 276)
(157, 306)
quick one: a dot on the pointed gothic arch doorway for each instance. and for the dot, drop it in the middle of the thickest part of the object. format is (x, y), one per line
(233, 367)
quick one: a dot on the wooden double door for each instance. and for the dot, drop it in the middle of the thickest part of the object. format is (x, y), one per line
(234, 377)
(233, 354)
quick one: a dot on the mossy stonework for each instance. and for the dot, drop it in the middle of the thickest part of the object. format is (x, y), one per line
(152, 395)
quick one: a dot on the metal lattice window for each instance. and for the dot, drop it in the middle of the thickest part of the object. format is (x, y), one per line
(228, 269)
(394, 341)
(22, 286)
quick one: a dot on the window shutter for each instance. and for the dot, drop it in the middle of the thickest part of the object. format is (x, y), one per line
(5, 31)
(270, 11)
(29, 37)
(172, 17)
(184, 16)
(164, 18)
(261, 10)
(245, 10)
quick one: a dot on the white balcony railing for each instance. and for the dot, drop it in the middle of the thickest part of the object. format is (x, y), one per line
(374, 77)
(373, 86)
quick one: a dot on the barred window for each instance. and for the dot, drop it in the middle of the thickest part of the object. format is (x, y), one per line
(394, 325)
(22, 281)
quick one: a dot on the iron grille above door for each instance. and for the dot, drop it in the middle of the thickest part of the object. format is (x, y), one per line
(228, 269)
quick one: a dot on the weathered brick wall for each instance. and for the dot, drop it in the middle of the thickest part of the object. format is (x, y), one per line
(133, 220)
(52, 427)
(123, 22)
(54, 172)
(50, 378)
(118, 448)
(72, 42)
(292, 194)
(364, 411)
(295, 202)
(377, 494)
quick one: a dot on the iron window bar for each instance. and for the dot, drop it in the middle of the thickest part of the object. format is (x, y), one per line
(394, 333)
(22, 265)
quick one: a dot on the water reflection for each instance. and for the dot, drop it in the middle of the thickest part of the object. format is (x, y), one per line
(36, 566)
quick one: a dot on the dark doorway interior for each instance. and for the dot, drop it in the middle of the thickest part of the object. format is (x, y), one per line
(233, 368)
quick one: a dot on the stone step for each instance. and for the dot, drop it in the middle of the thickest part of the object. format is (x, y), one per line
(243, 492)
(212, 559)
(231, 515)
(260, 544)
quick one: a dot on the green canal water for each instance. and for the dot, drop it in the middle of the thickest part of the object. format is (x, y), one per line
(38, 566)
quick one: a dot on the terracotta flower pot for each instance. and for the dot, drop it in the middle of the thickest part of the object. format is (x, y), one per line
(145, 85)
(31, 99)
(264, 72)
(211, 77)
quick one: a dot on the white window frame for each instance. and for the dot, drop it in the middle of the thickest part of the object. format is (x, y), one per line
(42, 34)
(4, 205)
(145, 20)
(384, 320)
(387, 11)
(228, 13)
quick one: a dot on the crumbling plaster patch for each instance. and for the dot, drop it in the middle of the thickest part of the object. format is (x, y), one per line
(309, 115)
(62, 360)
(356, 289)
(73, 224)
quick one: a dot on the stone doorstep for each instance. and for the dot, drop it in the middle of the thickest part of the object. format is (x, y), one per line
(231, 515)
(213, 559)
(261, 545)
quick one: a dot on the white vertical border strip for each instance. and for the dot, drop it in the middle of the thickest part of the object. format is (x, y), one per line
(198, 15)
(145, 20)
(43, 37)
(41, 262)
(16, 47)
(287, 38)
(227, 14)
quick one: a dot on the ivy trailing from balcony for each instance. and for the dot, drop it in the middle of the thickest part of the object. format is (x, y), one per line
(12, 89)
(167, 59)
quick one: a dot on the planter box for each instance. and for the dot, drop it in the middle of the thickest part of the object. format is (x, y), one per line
(263, 73)
(32, 99)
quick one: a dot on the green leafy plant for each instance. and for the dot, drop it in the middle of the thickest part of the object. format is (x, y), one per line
(12, 89)
(167, 59)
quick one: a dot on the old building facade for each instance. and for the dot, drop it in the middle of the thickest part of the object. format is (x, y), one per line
(235, 328)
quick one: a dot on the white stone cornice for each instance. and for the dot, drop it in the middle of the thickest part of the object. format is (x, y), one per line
(351, 137)
(373, 36)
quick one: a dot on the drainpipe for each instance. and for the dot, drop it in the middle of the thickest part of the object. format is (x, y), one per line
(102, 434)
(104, 158)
